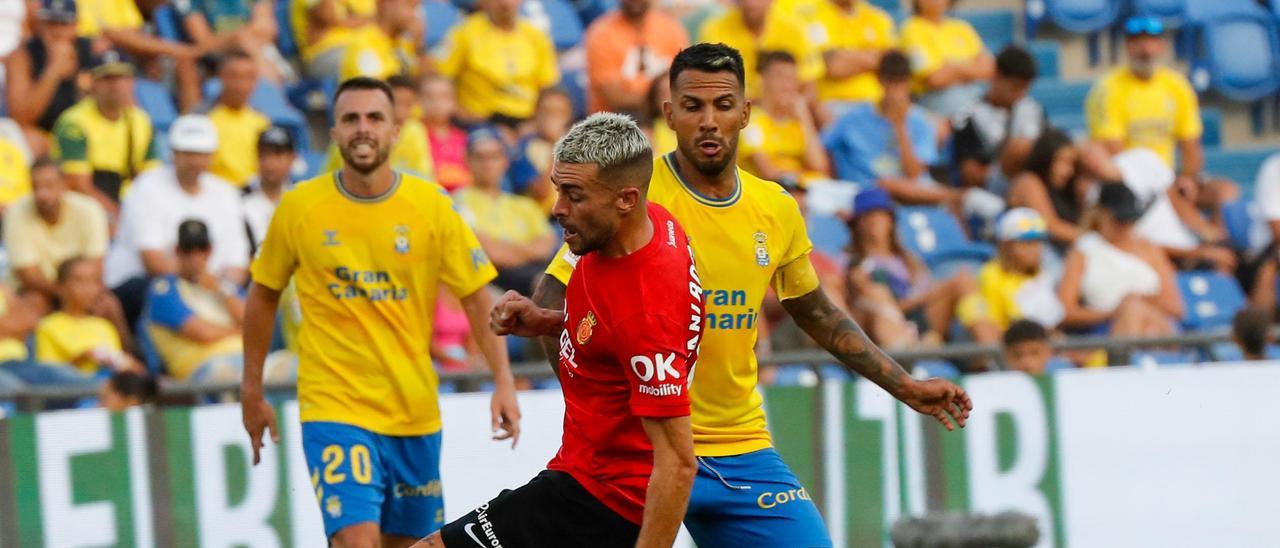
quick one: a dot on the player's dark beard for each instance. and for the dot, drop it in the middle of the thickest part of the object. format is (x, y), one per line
(713, 167)
(364, 168)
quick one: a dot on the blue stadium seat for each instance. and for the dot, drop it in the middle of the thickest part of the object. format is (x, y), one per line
(1046, 54)
(829, 234)
(440, 17)
(1078, 16)
(1211, 299)
(1211, 120)
(1173, 13)
(154, 98)
(1238, 221)
(314, 160)
(935, 236)
(1238, 54)
(996, 27)
(1061, 97)
(167, 24)
(1164, 357)
(575, 82)
(794, 375)
(936, 368)
(890, 6)
(557, 16)
(1239, 165)
(1074, 124)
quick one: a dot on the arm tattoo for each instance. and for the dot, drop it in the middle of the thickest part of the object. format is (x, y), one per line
(549, 293)
(838, 334)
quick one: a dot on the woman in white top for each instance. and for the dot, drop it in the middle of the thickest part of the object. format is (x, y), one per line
(1116, 282)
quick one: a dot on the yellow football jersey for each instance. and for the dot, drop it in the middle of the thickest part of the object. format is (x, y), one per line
(1153, 113)
(744, 244)
(498, 71)
(867, 27)
(367, 272)
(931, 45)
(780, 33)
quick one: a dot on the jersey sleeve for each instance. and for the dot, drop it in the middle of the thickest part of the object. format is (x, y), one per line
(464, 267)
(278, 255)
(72, 148)
(451, 54)
(562, 265)
(795, 276)
(655, 355)
(166, 307)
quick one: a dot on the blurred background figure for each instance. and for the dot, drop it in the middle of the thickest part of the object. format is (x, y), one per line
(1026, 347)
(782, 142)
(512, 229)
(325, 28)
(448, 141)
(1250, 330)
(1053, 185)
(950, 65)
(626, 49)
(750, 26)
(1113, 281)
(41, 76)
(193, 317)
(73, 336)
(994, 135)
(225, 26)
(276, 155)
(125, 389)
(851, 35)
(530, 171)
(238, 124)
(1015, 285)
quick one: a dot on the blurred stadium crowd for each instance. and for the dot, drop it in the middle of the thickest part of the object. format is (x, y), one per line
(956, 189)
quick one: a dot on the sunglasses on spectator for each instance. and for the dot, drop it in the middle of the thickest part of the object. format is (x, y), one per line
(1147, 26)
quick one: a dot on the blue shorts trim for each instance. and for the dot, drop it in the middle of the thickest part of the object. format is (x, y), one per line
(360, 476)
(752, 500)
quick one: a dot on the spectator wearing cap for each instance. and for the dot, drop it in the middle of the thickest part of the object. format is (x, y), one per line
(163, 198)
(41, 75)
(104, 141)
(194, 316)
(234, 25)
(530, 172)
(74, 336)
(500, 61)
(888, 284)
(950, 64)
(999, 129)
(626, 49)
(325, 28)
(1014, 285)
(750, 26)
(1113, 281)
(50, 226)
(512, 229)
(276, 154)
(238, 124)
(411, 152)
(782, 140)
(891, 143)
(852, 35)
(448, 141)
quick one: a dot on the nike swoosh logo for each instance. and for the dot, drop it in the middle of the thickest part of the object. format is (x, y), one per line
(467, 529)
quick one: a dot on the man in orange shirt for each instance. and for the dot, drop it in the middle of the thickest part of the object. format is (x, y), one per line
(626, 49)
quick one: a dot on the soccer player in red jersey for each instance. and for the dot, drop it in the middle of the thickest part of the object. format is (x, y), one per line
(629, 338)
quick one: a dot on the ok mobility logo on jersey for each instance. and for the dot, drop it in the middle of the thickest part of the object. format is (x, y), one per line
(373, 285)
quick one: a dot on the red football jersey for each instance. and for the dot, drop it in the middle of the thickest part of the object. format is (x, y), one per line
(630, 341)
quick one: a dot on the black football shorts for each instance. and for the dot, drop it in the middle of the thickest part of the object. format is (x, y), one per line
(552, 510)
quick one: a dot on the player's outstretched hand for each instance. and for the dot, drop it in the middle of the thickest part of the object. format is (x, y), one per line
(506, 414)
(258, 415)
(940, 399)
(515, 314)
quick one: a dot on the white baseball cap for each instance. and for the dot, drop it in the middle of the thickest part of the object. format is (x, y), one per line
(1021, 224)
(193, 133)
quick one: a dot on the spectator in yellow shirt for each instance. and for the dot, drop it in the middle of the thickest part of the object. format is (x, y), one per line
(1014, 285)
(386, 48)
(782, 141)
(15, 178)
(852, 35)
(513, 230)
(324, 29)
(121, 25)
(73, 336)
(500, 62)
(750, 27)
(238, 124)
(948, 59)
(1144, 104)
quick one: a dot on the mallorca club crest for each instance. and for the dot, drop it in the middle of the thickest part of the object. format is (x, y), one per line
(585, 327)
(402, 239)
(762, 250)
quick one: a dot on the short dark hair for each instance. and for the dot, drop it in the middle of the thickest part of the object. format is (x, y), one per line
(400, 81)
(766, 58)
(894, 66)
(64, 268)
(711, 58)
(131, 384)
(1250, 330)
(1015, 62)
(1021, 331)
(43, 162)
(363, 83)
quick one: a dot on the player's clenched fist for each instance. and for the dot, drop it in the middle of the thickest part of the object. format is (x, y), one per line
(515, 314)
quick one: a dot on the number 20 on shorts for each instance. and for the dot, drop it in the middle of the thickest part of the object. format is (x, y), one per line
(360, 466)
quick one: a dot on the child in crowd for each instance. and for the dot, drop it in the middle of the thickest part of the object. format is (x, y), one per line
(72, 337)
